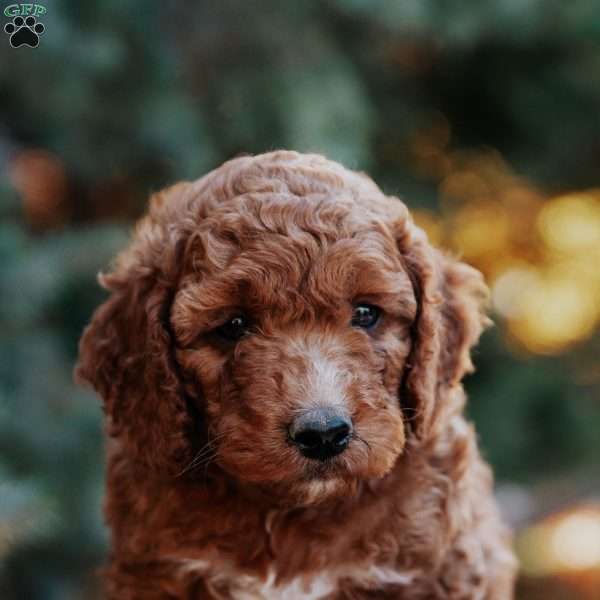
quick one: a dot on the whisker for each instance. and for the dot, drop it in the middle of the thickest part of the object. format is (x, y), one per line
(355, 436)
(416, 412)
(203, 453)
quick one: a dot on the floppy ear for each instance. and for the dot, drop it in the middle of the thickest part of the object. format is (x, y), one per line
(126, 350)
(451, 298)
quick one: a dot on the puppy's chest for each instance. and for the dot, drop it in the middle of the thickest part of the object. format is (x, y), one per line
(225, 582)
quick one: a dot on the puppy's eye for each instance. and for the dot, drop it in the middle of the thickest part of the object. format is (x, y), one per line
(234, 329)
(365, 316)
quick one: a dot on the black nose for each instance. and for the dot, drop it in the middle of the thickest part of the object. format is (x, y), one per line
(321, 434)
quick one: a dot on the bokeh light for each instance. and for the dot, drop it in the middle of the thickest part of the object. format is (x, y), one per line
(547, 310)
(569, 541)
(40, 178)
(576, 540)
(571, 223)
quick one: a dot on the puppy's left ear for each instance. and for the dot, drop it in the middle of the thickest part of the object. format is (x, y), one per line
(451, 299)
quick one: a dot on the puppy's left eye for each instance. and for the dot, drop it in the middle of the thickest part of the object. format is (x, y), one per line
(365, 316)
(234, 329)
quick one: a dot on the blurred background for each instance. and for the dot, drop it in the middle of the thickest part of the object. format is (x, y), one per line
(484, 115)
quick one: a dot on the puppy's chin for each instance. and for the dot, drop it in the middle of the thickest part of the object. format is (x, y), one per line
(302, 493)
(308, 483)
(317, 491)
(323, 483)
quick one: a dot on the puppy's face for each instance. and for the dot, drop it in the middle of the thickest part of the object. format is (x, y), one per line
(262, 318)
(293, 335)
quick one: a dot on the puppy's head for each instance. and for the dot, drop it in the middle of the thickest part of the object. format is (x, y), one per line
(285, 321)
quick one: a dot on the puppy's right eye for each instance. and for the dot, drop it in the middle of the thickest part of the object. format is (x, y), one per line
(234, 329)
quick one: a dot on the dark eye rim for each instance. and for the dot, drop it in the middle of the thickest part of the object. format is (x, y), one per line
(376, 319)
(233, 336)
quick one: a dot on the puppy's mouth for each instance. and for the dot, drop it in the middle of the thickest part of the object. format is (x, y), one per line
(330, 468)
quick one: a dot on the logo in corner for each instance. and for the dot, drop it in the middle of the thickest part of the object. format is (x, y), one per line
(24, 29)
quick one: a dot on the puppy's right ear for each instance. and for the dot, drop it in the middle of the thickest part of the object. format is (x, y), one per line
(126, 350)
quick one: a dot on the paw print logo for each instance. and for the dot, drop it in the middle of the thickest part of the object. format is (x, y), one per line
(24, 32)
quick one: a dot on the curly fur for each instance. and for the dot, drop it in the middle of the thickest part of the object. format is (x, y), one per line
(205, 496)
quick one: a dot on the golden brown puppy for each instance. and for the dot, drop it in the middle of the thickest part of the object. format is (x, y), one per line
(280, 361)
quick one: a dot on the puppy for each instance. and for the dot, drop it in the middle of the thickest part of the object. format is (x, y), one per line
(280, 361)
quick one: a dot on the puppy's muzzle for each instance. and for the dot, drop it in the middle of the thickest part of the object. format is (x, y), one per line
(321, 433)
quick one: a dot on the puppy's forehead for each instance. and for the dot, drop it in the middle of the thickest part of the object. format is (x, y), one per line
(268, 226)
(275, 251)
